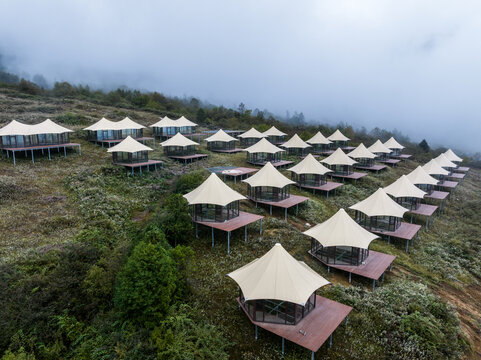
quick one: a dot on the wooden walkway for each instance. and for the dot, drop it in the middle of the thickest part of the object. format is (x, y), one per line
(41, 148)
(312, 331)
(327, 187)
(293, 200)
(277, 164)
(353, 176)
(451, 185)
(463, 169)
(424, 210)
(405, 231)
(391, 162)
(186, 158)
(140, 165)
(438, 195)
(229, 151)
(375, 168)
(373, 267)
(228, 226)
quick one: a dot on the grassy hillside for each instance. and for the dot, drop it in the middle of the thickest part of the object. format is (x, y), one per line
(69, 226)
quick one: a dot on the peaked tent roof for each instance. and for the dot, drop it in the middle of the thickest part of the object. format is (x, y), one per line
(393, 144)
(183, 121)
(221, 136)
(213, 191)
(452, 156)
(263, 146)
(309, 165)
(361, 152)
(268, 176)
(319, 139)
(444, 161)
(379, 204)
(338, 136)
(379, 147)
(403, 187)
(45, 127)
(341, 230)
(178, 140)
(252, 133)
(273, 131)
(278, 276)
(104, 124)
(433, 168)
(127, 123)
(338, 157)
(165, 122)
(419, 176)
(295, 142)
(129, 145)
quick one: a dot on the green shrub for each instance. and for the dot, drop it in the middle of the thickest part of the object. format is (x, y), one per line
(146, 285)
(175, 219)
(72, 119)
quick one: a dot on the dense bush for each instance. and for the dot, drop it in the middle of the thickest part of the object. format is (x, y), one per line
(147, 284)
(189, 182)
(176, 220)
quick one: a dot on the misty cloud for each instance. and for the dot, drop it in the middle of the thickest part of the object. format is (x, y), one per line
(409, 65)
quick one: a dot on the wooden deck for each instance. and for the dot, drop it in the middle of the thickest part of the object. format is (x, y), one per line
(229, 151)
(391, 162)
(459, 176)
(405, 231)
(424, 210)
(275, 164)
(228, 226)
(312, 331)
(293, 200)
(374, 266)
(463, 169)
(327, 187)
(140, 165)
(353, 176)
(116, 141)
(375, 168)
(9, 150)
(188, 158)
(237, 172)
(347, 148)
(402, 156)
(451, 185)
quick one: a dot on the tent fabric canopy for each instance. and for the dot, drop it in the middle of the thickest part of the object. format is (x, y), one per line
(178, 140)
(213, 191)
(419, 176)
(273, 131)
(127, 123)
(451, 156)
(45, 127)
(268, 176)
(263, 146)
(183, 121)
(403, 187)
(221, 136)
(309, 165)
(319, 139)
(444, 161)
(338, 157)
(252, 133)
(104, 124)
(129, 145)
(165, 122)
(338, 136)
(393, 144)
(361, 152)
(295, 142)
(341, 230)
(379, 147)
(277, 276)
(433, 168)
(379, 204)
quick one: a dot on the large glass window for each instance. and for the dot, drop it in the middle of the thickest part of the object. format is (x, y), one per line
(268, 193)
(215, 213)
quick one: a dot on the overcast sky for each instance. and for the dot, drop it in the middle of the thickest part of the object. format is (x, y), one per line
(414, 65)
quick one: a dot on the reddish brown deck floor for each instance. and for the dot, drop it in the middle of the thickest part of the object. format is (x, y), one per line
(186, 158)
(115, 141)
(312, 331)
(327, 187)
(293, 200)
(390, 161)
(372, 168)
(353, 176)
(229, 151)
(275, 164)
(448, 184)
(437, 195)
(327, 152)
(41, 147)
(242, 220)
(425, 210)
(136, 165)
(457, 175)
(237, 172)
(405, 231)
(402, 156)
(461, 169)
(374, 266)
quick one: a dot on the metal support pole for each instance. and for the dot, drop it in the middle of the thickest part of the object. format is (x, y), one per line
(33, 161)
(373, 284)
(389, 239)
(64, 151)
(407, 245)
(49, 154)
(285, 214)
(245, 234)
(330, 341)
(256, 332)
(347, 320)
(350, 277)
(14, 163)
(390, 267)
(212, 237)
(196, 230)
(328, 269)
(270, 209)
(260, 228)
(382, 279)
(312, 355)
(228, 242)
(297, 208)
(282, 346)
